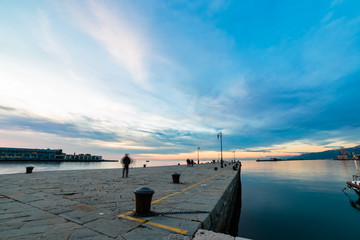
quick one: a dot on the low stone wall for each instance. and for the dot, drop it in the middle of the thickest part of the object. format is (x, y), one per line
(221, 218)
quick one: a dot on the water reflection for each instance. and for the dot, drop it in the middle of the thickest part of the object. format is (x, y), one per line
(39, 166)
(301, 169)
(355, 204)
(20, 167)
(298, 199)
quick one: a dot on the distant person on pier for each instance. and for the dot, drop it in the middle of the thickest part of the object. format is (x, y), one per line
(190, 162)
(125, 161)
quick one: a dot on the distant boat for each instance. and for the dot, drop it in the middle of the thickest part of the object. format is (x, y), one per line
(268, 160)
(147, 161)
(355, 183)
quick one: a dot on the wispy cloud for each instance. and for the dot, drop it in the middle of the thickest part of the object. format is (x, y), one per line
(114, 30)
(47, 37)
(7, 108)
(66, 130)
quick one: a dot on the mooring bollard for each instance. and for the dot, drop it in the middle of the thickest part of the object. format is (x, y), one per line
(215, 168)
(176, 177)
(143, 198)
(144, 165)
(29, 169)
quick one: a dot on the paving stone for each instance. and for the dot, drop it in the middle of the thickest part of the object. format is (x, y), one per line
(13, 207)
(6, 216)
(53, 236)
(185, 206)
(85, 233)
(190, 226)
(30, 191)
(112, 228)
(34, 214)
(199, 217)
(23, 197)
(84, 207)
(23, 231)
(60, 209)
(80, 217)
(146, 233)
(4, 199)
(55, 206)
(61, 227)
(44, 222)
(7, 190)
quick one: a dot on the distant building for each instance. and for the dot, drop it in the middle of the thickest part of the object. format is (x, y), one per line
(43, 155)
(82, 157)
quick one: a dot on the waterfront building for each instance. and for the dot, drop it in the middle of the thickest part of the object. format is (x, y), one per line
(33, 154)
(81, 157)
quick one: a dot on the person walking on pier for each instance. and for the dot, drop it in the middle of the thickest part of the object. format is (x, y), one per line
(125, 161)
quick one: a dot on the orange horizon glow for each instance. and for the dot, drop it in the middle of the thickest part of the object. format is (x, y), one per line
(295, 148)
(209, 155)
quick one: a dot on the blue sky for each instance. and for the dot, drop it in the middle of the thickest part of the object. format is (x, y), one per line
(159, 78)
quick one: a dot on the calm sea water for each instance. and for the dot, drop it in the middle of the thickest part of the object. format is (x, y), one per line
(20, 167)
(298, 200)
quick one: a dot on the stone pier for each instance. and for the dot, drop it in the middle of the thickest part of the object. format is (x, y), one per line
(100, 204)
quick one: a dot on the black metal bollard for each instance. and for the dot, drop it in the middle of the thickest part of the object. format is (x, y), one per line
(29, 169)
(215, 168)
(144, 165)
(176, 177)
(143, 198)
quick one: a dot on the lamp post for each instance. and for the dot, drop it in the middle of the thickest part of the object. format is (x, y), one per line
(198, 154)
(219, 136)
(234, 155)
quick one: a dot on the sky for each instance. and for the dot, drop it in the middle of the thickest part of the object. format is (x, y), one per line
(158, 79)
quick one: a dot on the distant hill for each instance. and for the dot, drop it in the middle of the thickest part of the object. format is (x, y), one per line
(330, 154)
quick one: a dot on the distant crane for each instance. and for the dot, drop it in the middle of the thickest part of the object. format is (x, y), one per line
(343, 154)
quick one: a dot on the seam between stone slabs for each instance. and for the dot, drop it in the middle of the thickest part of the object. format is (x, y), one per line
(178, 230)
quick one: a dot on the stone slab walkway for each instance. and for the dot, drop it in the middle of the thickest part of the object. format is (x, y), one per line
(99, 204)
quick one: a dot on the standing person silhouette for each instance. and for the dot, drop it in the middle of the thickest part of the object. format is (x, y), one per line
(126, 160)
